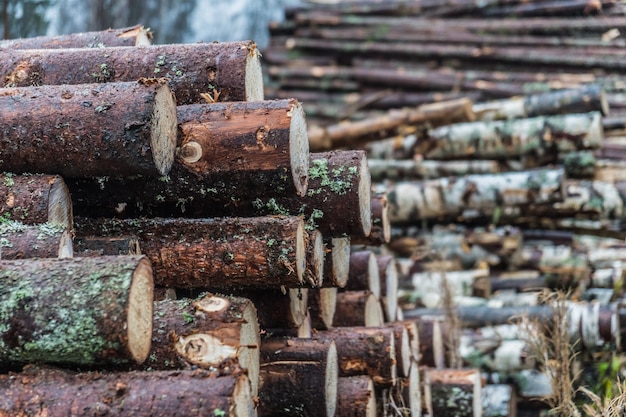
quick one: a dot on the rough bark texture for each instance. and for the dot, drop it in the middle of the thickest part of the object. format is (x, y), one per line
(103, 246)
(84, 130)
(227, 71)
(57, 393)
(355, 397)
(322, 303)
(45, 240)
(231, 141)
(381, 228)
(280, 308)
(220, 253)
(358, 308)
(107, 317)
(34, 199)
(131, 36)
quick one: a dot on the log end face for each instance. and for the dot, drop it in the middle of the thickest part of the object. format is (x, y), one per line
(242, 403)
(328, 302)
(60, 204)
(405, 353)
(391, 291)
(66, 247)
(299, 148)
(341, 260)
(298, 305)
(365, 196)
(316, 241)
(373, 312)
(250, 342)
(384, 218)
(140, 308)
(300, 251)
(332, 375)
(254, 75)
(164, 129)
(373, 276)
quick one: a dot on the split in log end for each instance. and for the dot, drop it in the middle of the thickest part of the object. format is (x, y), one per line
(299, 148)
(254, 75)
(341, 260)
(66, 247)
(140, 306)
(365, 197)
(60, 204)
(301, 238)
(332, 375)
(164, 129)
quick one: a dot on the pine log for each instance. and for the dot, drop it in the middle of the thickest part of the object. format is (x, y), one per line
(108, 317)
(349, 134)
(241, 139)
(364, 351)
(59, 393)
(131, 36)
(106, 246)
(226, 71)
(357, 308)
(412, 391)
(299, 377)
(46, 240)
(322, 303)
(464, 196)
(219, 253)
(337, 262)
(315, 254)
(277, 309)
(404, 353)
(499, 400)
(355, 397)
(388, 273)
(541, 136)
(381, 228)
(364, 274)
(432, 352)
(397, 169)
(214, 332)
(34, 199)
(455, 392)
(83, 130)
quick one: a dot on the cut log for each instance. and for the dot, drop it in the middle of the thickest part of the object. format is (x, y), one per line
(364, 274)
(57, 393)
(472, 195)
(455, 392)
(404, 355)
(220, 253)
(397, 169)
(432, 349)
(84, 130)
(278, 309)
(355, 397)
(337, 262)
(106, 246)
(542, 137)
(388, 273)
(322, 304)
(34, 199)
(357, 308)
(299, 377)
(229, 141)
(227, 71)
(107, 318)
(365, 351)
(315, 254)
(213, 332)
(45, 240)
(412, 391)
(132, 36)
(381, 228)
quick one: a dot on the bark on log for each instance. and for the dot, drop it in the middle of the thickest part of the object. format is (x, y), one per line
(322, 303)
(404, 354)
(542, 137)
(106, 246)
(220, 253)
(227, 71)
(34, 199)
(107, 318)
(241, 139)
(364, 274)
(432, 352)
(19, 241)
(464, 196)
(299, 377)
(278, 309)
(355, 397)
(337, 263)
(315, 254)
(412, 391)
(380, 233)
(364, 351)
(84, 130)
(131, 36)
(455, 392)
(388, 273)
(357, 308)
(57, 393)
(397, 169)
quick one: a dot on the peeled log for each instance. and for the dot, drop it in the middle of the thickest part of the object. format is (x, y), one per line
(57, 393)
(45, 240)
(132, 36)
(226, 71)
(240, 139)
(88, 130)
(218, 253)
(34, 199)
(355, 397)
(81, 311)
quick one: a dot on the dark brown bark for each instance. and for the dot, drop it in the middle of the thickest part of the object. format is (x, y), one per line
(110, 307)
(34, 199)
(104, 246)
(432, 352)
(84, 130)
(131, 36)
(355, 397)
(277, 309)
(19, 241)
(58, 393)
(229, 141)
(357, 308)
(363, 273)
(228, 71)
(322, 303)
(219, 253)
(381, 228)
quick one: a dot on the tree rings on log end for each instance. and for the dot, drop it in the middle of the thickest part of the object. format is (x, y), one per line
(254, 75)
(299, 148)
(164, 129)
(140, 307)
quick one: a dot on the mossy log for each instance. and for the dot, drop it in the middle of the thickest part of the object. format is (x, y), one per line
(472, 195)
(409, 169)
(279, 308)
(224, 71)
(60, 393)
(363, 273)
(214, 332)
(455, 392)
(299, 377)
(34, 199)
(85, 130)
(219, 253)
(380, 233)
(106, 246)
(322, 303)
(541, 137)
(238, 139)
(337, 262)
(131, 36)
(107, 318)
(357, 308)
(19, 241)
(355, 397)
